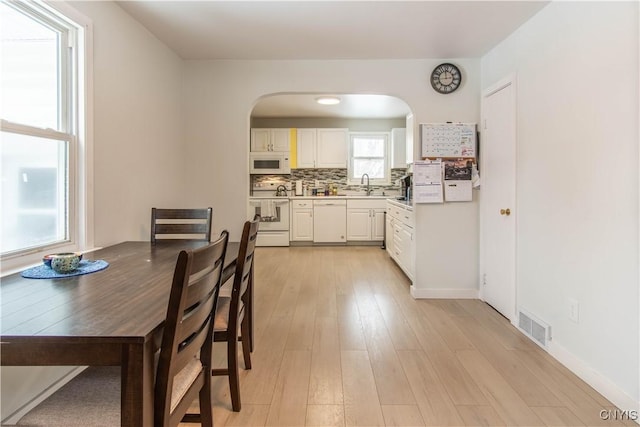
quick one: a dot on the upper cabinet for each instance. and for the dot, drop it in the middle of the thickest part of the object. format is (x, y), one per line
(306, 148)
(322, 148)
(270, 139)
(398, 148)
(409, 134)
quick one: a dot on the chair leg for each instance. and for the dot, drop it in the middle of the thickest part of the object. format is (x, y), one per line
(246, 343)
(249, 313)
(206, 402)
(234, 379)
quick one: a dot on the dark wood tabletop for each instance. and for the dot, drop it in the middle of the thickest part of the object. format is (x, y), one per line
(111, 317)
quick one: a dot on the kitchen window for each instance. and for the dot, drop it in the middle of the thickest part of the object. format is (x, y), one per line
(369, 153)
(43, 126)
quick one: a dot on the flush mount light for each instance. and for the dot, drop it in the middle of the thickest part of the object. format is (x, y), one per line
(328, 100)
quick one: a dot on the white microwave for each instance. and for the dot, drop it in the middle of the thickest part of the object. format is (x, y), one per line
(269, 162)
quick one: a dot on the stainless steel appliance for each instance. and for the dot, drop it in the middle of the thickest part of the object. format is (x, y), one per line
(270, 200)
(269, 163)
(405, 183)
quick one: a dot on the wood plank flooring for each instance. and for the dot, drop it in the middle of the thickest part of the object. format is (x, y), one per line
(340, 342)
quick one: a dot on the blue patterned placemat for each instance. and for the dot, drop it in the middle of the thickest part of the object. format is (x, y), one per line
(44, 272)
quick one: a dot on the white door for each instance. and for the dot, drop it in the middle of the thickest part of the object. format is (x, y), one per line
(498, 207)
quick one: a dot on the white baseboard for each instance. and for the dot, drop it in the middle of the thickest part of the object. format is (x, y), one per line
(599, 382)
(418, 293)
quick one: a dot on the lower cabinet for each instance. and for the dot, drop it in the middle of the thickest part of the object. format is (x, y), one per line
(365, 220)
(301, 221)
(328, 220)
(399, 237)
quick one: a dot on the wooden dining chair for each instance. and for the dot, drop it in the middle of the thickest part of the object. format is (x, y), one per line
(184, 364)
(191, 224)
(233, 314)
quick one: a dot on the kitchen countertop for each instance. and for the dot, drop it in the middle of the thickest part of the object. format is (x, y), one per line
(404, 203)
(341, 196)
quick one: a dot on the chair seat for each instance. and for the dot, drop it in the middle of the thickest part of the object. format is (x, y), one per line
(183, 381)
(221, 321)
(95, 393)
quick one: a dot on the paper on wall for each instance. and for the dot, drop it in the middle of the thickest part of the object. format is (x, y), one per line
(427, 181)
(458, 191)
(430, 193)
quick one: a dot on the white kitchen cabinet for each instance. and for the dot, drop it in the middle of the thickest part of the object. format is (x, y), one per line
(306, 148)
(409, 139)
(329, 221)
(358, 224)
(264, 139)
(365, 220)
(332, 148)
(301, 221)
(377, 227)
(398, 148)
(322, 148)
(388, 236)
(400, 239)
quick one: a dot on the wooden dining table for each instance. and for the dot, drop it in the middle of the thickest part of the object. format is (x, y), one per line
(112, 317)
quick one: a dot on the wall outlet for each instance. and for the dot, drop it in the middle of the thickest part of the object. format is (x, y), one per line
(574, 310)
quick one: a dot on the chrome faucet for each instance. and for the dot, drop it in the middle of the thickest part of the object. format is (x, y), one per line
(362, 182)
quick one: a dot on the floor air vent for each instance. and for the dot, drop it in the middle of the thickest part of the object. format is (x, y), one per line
(534, 328)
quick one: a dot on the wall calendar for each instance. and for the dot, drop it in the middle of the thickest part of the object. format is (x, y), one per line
(442, 140)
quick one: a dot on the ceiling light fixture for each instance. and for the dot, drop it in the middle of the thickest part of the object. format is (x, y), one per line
(328, 100)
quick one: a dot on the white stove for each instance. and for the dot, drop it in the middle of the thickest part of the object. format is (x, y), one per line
(270, 200)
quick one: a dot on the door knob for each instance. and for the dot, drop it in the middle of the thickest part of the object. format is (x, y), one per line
(506, 212)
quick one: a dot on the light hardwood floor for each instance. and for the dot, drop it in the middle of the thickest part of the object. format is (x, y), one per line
(340, 342)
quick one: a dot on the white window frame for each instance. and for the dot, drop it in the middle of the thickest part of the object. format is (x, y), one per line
(76, 124)
(387, 159)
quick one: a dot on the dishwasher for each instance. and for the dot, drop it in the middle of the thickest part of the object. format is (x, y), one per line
(330, 221)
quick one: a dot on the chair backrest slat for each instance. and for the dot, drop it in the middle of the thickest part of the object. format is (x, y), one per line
(193, 224)
(182, 213)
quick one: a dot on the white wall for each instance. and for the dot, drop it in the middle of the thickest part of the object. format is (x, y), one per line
(577, 183)
(219, 97)
(138, 144)
(137, 150)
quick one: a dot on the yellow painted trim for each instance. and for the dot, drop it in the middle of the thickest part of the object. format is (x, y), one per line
(293, 148)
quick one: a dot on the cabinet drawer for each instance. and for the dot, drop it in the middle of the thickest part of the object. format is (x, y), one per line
(302, 204)
(407, 218)
(393, 212)
(366, 204)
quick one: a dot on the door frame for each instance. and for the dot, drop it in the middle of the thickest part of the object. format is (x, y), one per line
(509, 80)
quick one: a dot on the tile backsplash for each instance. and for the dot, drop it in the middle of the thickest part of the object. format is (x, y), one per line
(329, 176)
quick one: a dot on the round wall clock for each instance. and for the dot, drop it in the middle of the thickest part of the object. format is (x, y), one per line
(446, 78)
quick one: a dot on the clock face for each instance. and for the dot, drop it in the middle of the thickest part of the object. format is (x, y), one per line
(446, 78)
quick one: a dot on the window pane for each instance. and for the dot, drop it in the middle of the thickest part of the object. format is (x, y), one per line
(34, 195)
(373, 167)
(29, 70)
(368, 147)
